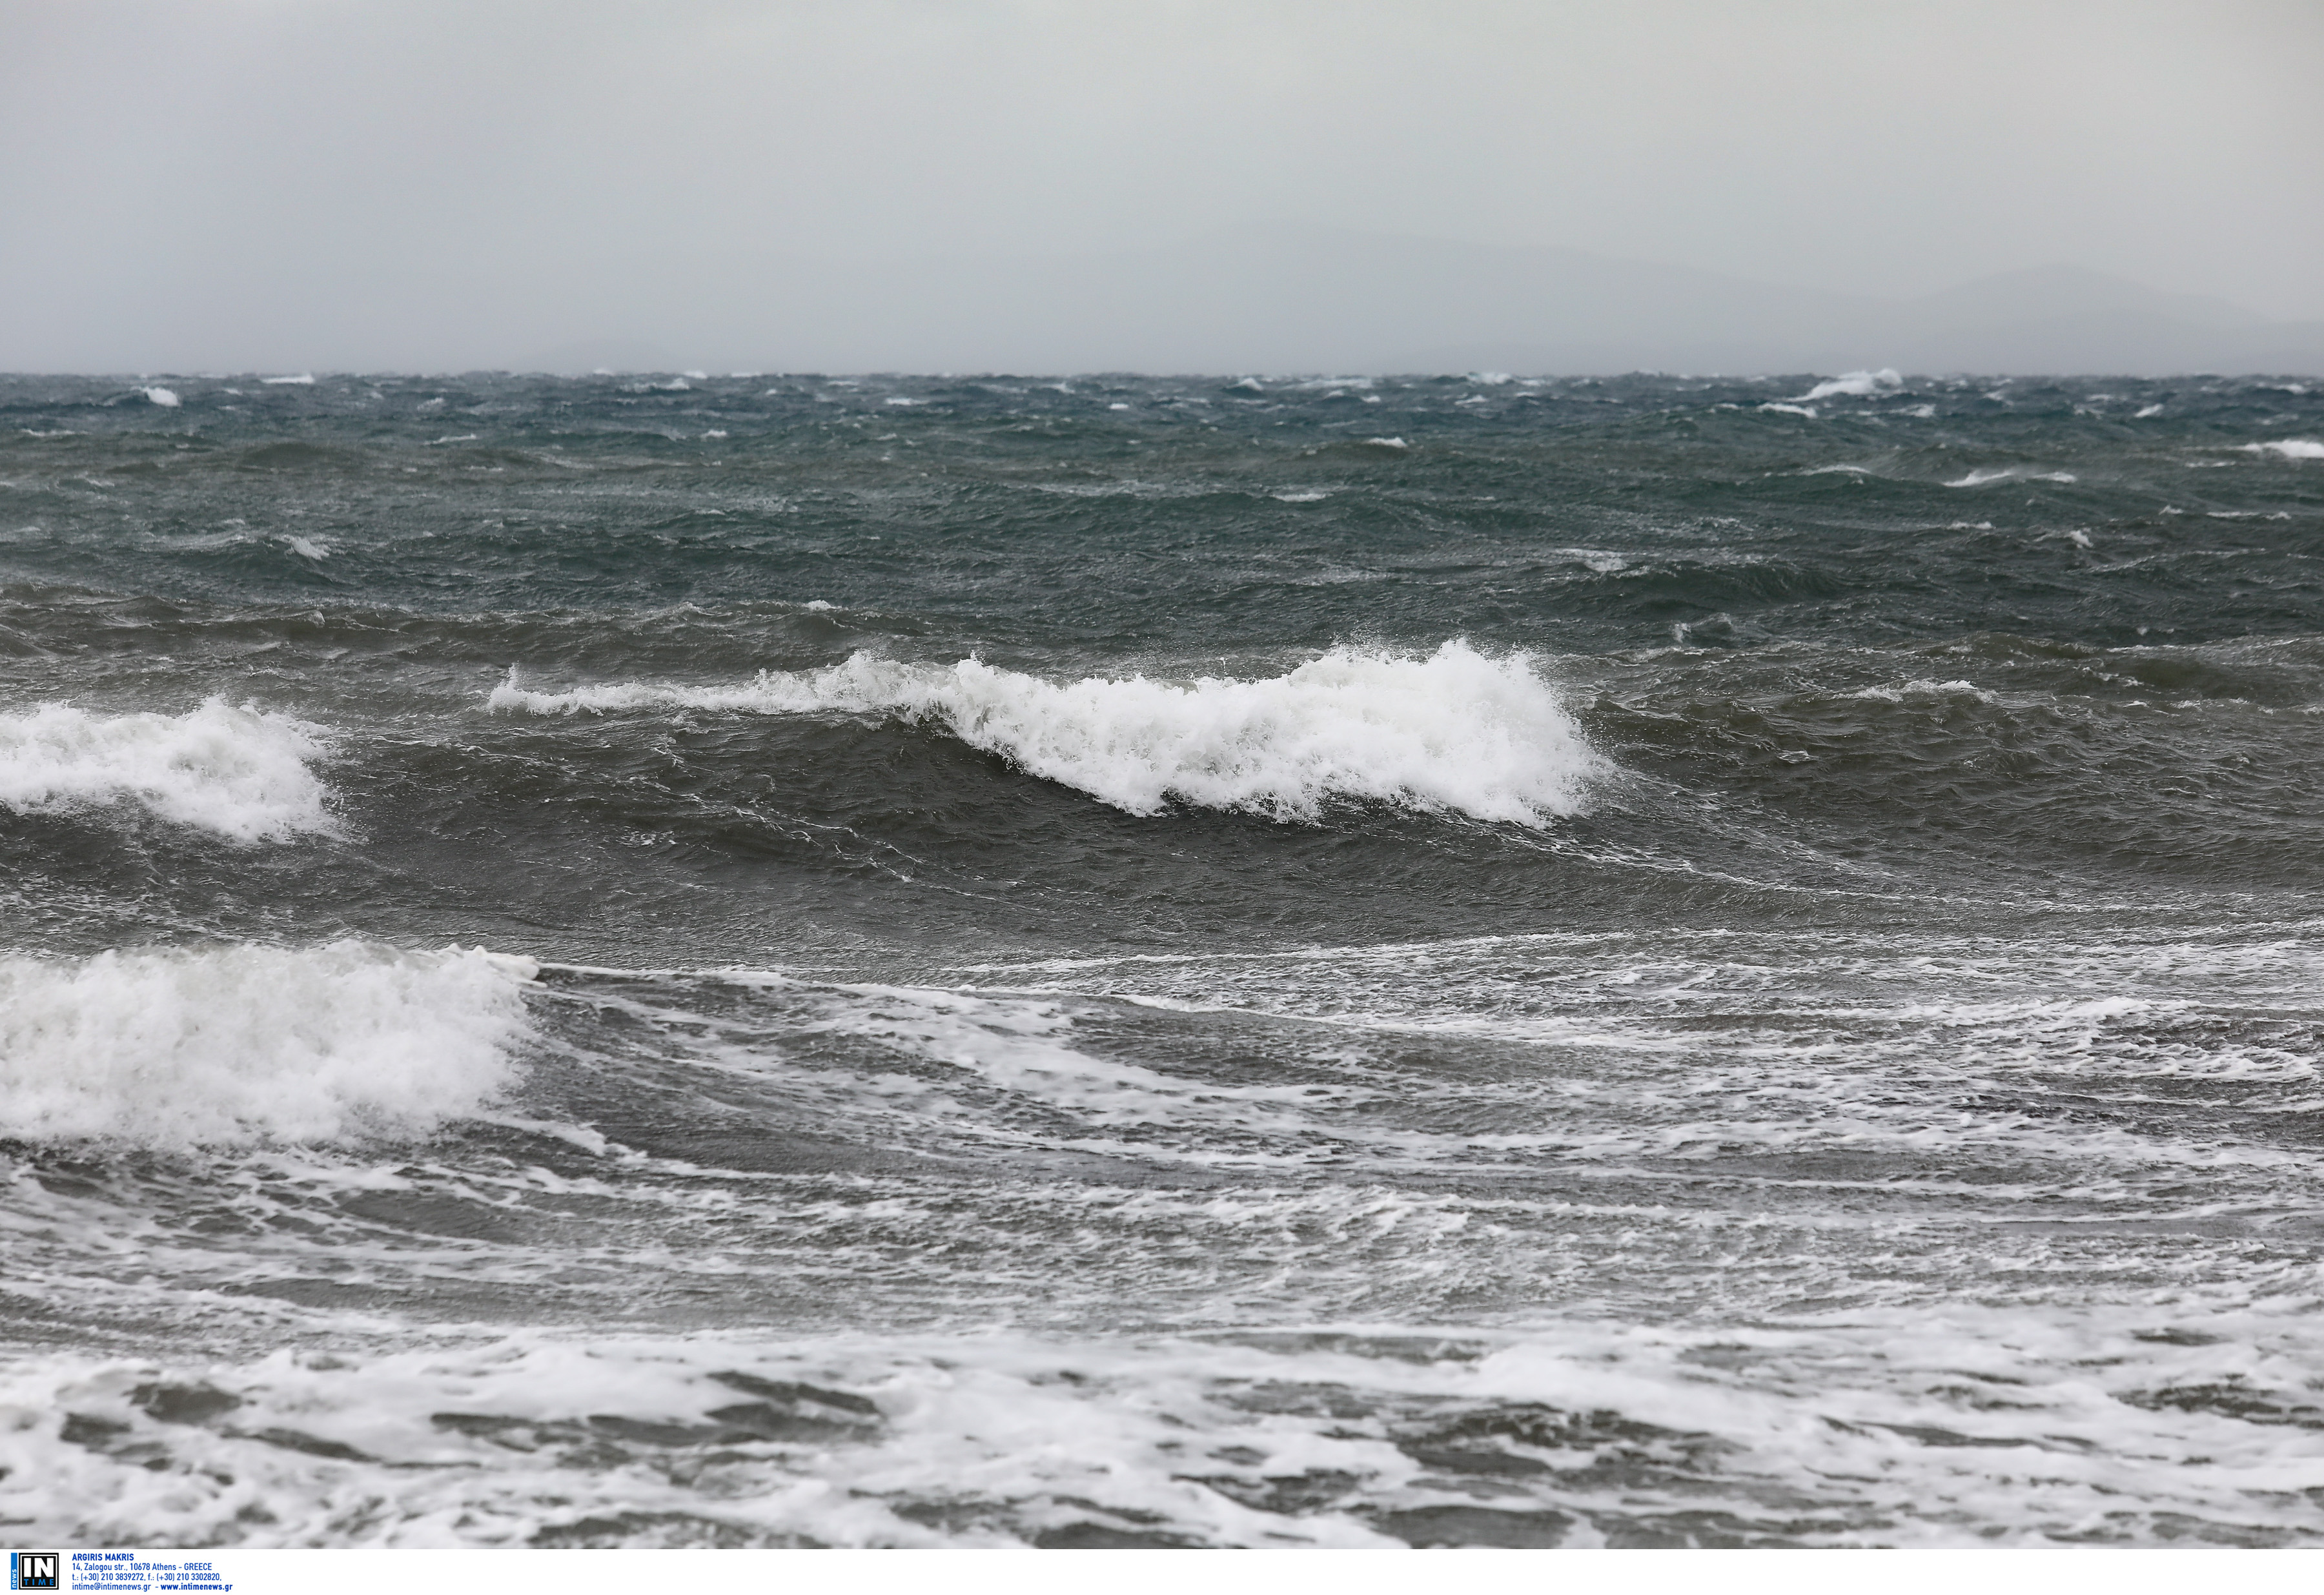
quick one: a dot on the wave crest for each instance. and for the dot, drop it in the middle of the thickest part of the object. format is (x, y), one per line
(2290, 448)
(1455, 731)
(239, 1044)
(1856, 384)
(239, 772)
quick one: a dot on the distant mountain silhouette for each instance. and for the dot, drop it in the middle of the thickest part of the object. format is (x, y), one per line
(1305, 299)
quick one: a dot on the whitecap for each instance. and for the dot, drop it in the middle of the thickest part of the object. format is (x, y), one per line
(1789, 409)
(241, 773)
(2290, 448)
(1602, 561)
(1924, 689)
(165, 397)
(177, 1049)
(303, 380)
(1455, 731)
(1388, 443)
(1856, 384)
(2010, 474)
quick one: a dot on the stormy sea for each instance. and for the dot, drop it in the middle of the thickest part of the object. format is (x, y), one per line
(743, 960)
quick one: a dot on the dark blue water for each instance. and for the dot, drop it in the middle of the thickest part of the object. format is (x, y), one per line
(693, 960)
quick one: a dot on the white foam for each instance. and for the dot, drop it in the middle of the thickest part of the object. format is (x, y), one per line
(165, 397)
(1924, 689)
(244, 1044)
(1388, 443)
(1455, 731)
(301, 381)
(1790, 409)
(2290, 448)
(308, 549)
(1964, 1425)
(242, 772)
(2147, 414)
(1856, 384)
(2010, 474)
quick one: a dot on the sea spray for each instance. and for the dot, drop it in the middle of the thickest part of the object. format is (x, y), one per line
(236, 1045)
(239, 772)
(1454, 731)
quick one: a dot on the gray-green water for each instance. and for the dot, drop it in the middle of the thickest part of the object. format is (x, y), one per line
(1161, 961)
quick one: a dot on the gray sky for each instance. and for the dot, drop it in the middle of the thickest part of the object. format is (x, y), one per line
(240, 183)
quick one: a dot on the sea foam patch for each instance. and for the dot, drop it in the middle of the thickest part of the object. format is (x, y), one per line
(2290, 448)
(242, 773)
(1456, 731)
(248, 1044)
(1967, 1426)
(1979, 478)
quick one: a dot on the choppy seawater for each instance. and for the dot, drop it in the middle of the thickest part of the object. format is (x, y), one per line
(1161, 962)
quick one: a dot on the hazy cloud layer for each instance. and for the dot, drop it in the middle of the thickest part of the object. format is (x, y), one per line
(243, 183)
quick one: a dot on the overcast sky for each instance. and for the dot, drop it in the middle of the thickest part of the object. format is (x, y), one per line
(233, 183)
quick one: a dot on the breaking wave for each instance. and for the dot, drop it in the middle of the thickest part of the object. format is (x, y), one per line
(2290, 448)
(245, 1044)
(1856, 384)
(241, 773)
(1456, 731)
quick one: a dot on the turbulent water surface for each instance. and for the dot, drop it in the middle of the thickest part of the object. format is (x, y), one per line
(1136, 961)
